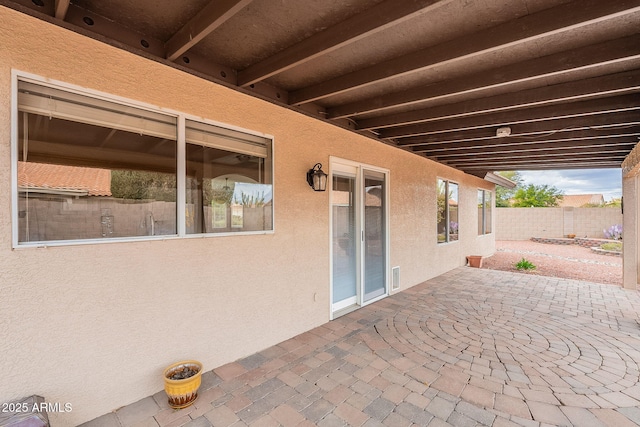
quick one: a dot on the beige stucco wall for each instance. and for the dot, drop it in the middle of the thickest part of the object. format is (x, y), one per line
(94, 325)
(631, 241)
(525, 223)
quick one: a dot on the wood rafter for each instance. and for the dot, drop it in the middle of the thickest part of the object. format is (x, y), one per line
(374, 20)
(528, 28)
(542, 119)
(558, 163)
(533, 152)
(208, 19)
(465, 141)
(601, 57)
(507, 153)
(61, 8)
(529, 107)
(574, 139)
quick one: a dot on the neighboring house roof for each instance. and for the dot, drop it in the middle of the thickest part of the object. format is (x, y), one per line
(74, 180)
(578, 200)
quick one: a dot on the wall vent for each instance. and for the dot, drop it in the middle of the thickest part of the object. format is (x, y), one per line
(395, 278)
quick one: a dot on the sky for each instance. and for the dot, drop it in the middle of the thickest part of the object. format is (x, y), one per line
(607, 182)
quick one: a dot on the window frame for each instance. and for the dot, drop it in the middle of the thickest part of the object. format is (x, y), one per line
(484, 218)
(447, 211)
(181, 142)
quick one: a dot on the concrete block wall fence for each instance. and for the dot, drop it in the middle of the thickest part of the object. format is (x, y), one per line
(524, 223)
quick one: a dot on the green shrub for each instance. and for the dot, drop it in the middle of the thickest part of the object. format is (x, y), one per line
(523, 264)
(612, 246)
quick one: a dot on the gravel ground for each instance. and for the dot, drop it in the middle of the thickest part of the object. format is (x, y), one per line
(569, 262)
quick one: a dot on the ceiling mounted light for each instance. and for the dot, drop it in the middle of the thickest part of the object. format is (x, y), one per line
(503, 131)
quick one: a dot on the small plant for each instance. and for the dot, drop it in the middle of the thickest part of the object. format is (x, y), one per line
(614, 232)
(612, 246)
(523, 264)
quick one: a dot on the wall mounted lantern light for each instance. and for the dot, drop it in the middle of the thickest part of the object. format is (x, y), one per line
(316, 178)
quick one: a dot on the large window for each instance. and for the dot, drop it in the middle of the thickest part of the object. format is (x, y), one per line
(484, 212)
(447, 211)
(91, 168)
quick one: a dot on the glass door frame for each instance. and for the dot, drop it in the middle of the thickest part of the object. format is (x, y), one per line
(348, 168)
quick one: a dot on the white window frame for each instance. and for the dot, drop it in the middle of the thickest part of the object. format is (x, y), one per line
(447, 182)
(484, 212)
(17, 75)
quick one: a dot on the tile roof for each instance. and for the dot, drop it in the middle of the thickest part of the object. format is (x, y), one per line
(96, 182)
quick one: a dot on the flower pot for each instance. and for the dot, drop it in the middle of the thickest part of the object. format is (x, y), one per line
(182, 392)
(475, 261)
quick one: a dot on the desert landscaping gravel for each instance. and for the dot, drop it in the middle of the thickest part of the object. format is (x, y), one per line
(564, 261)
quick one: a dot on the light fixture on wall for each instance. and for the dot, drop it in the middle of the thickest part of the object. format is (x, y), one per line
(316, 178)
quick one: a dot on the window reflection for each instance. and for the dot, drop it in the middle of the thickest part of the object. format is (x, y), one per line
(229, 185)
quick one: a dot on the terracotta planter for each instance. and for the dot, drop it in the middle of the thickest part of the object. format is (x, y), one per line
(475, 261)
(182, 392)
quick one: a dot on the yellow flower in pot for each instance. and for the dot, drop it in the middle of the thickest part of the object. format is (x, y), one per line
(181, 383)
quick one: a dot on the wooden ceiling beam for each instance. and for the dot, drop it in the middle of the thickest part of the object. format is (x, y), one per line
(61, 8)
(357, 27)
(559, 163)
(480, 136)
(528, 28)
(598, 58)
(525, 158)
(216, 13)
(504, 165)
(523, 122)
(575, 139)
(452, 138)
(620, 89)
(92, 25)
(481, 172)
(625, 85)
(541, 164)
(114, 33)
(612, 104)
(483, 156)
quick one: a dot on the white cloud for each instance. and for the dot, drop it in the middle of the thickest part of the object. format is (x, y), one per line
(579, 181)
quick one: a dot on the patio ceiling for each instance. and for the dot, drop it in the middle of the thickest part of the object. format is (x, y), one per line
(560, 79)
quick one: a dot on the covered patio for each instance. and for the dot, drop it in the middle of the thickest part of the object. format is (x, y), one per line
(211, 116)
(469, 347)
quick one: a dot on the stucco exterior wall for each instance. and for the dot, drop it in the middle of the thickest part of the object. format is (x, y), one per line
(525, 223)
(94, 325)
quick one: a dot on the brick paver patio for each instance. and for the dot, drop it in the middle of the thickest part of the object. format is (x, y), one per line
(471, 347)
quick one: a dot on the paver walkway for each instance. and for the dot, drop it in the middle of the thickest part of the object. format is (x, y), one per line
(471, 347)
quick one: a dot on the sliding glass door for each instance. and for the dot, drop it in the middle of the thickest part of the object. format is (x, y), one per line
(344, 244)
(359, 235)
(374, 235)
